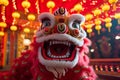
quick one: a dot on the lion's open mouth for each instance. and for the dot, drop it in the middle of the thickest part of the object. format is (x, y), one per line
(58, 50)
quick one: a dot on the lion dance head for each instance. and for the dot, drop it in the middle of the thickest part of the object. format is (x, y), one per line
(63, 45)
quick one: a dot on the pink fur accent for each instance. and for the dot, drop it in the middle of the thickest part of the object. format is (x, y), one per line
(27, 67)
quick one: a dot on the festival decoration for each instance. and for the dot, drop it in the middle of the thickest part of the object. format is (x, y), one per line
(98, 25)
(37, 6)
(89, 24)
(106, 67)
(4, 2)
(50, 5)
(98, 28)
(89, 17)
(89, 29)
(14, 4)
(31, 18)
(113, 3)
(92, 9)
(96, 67)
(97, 12)
(78, 8)
(108, 23)
(13, 28)
(105, 8)
(2, 26)
(97, 22)
(16, 16)
(26, 30)
(117, 16)
(26, 4)
(60, 54)
(2, 33)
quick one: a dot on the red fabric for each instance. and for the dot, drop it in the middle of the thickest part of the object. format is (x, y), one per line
(27, 67)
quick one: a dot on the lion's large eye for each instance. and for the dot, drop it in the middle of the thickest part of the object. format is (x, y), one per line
(76, 24)
(47, 20)
(46, 23)
(75, 21)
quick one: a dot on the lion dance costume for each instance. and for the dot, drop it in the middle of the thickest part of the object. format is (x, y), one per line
(58, 51)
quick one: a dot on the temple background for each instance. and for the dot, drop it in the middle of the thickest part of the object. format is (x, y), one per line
(107, 44)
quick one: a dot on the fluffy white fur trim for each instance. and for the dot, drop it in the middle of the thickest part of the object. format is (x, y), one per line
(57, 63)
(57, 36)
(80, 18)
(74, 17)
(47, 15)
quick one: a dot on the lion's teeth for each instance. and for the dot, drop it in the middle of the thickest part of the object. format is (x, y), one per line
(50, 43)
(54, 56)
(67, 54)
(69, 44)
(60, 42)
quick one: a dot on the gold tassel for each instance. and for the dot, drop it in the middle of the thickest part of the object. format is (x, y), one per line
(109, 29)
(114, 7)
(98, 32)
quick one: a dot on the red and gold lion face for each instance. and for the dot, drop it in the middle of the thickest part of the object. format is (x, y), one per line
(60, 34)
(57, 51)
(61, 44)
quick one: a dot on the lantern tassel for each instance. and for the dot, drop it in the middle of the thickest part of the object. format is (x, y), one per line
(89, 34)
(2, 29)
(114, 7)
(118, 21)
(26, 10)
(106, 14)
(50, 10)
(109, 29)
(31, 23)
(98, 32)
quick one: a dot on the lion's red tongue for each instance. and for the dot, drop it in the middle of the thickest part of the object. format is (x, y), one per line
(58, 49)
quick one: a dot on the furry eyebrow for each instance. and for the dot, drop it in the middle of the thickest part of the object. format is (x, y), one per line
(45, 19)
(77, 21)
